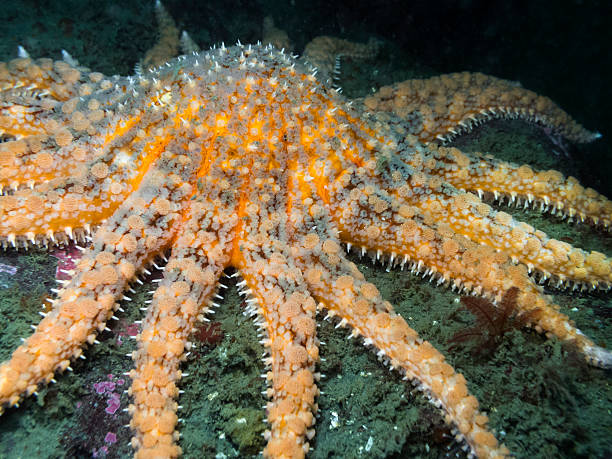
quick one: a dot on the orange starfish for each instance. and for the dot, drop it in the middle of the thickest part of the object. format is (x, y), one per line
(442, 107)
(238, 157)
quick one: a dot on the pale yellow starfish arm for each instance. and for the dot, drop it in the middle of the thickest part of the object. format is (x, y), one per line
(373, 208)
(27, 81)
(46, 124)
(30, 216)
(425, 195)
(276, 291)
(30, 163)
(168, 42)
(547, 190)
(458, 213)
(340, 288)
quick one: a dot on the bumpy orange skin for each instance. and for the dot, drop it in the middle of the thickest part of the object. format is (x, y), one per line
(238, 157)
(439, 108)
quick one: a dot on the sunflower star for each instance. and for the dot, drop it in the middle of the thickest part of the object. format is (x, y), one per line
(239, 157)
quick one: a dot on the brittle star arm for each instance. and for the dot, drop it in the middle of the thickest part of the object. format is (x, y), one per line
(199, 255)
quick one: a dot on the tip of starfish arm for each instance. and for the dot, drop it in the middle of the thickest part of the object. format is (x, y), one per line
(22, 52)
(598, 356)
(592, 136)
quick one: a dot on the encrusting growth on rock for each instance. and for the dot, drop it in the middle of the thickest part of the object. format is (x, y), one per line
(239, 157)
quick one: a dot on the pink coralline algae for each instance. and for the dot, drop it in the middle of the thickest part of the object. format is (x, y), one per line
(113, 401)
(104, 386)
(68, 257)
(110, 438)
(110, 389)
(130, 330)
(100, 452)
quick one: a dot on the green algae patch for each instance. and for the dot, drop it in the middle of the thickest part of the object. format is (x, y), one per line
(22, 293)
(365, 411)
(244, 427)
(222, 403)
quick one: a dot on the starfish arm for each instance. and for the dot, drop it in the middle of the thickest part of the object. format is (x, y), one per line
(68, 154)
(43, 105)
(342, 290)
(279, 295)
(441, 107)
(431, 245)
(83, 198)
(198, 258)
(23, 115)
(30, 80)
(325, 53)
(559, 262)
(417, 189)
(31, 216)
(47, 121)
(82, 131)
(34, 163)
(548, 189)
(168, 42)
(120, 248)
(79, 201)
(414, 197)
(67, 187)
(339, 286)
